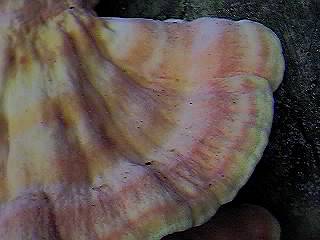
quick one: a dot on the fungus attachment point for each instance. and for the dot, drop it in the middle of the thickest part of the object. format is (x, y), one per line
(131, 128)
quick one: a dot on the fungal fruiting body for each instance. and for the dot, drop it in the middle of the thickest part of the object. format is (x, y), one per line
(126, 128)
(244, 222)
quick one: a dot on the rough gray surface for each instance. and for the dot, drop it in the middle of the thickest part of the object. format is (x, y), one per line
(287, 180)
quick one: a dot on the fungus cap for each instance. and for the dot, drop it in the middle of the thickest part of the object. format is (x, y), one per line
(117, 128)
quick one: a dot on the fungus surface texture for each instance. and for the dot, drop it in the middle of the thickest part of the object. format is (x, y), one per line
(126, 129)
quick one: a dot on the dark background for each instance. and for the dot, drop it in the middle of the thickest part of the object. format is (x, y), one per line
(287, 179)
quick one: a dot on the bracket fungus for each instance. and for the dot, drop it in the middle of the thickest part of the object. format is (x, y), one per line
(117, 128)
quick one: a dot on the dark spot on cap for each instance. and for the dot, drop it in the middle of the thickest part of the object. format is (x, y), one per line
(23, 59)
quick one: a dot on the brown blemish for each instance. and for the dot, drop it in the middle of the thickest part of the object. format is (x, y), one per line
(23, 60)
(11, 57)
